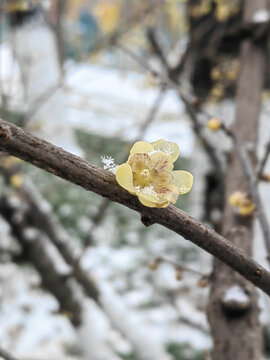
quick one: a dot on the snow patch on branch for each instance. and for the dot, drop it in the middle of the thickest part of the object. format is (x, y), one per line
(109, 164)
(236, 294)
(261, 16)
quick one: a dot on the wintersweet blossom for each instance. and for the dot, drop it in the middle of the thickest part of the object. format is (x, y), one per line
(242, 202)
(148, 174)
(214, 124)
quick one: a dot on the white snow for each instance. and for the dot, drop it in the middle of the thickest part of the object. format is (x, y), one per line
(109, 164)
(97, 99)
(237, 294)
(261, 16)
(147, 347)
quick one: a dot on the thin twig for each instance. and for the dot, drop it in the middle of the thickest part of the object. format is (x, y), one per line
(40, 101)
(252, 180)
(17, 142)
(6, 355)
(176, 265)
(253, 188)
(163, 78)
(264, 160)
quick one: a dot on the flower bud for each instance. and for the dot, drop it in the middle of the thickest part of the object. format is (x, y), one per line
(214, 124)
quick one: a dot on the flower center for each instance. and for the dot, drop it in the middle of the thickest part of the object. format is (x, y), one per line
(145, 174)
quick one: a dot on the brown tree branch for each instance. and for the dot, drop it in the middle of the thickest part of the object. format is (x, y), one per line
(59, 162)
(6, 355)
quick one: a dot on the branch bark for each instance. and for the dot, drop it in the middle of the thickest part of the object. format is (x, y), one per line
(59, 162)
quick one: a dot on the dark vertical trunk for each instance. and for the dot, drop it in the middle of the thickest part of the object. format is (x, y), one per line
(235, 326)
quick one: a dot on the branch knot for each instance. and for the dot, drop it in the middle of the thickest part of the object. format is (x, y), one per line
(5, 134)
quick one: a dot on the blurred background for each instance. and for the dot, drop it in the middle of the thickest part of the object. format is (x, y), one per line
(76, 271)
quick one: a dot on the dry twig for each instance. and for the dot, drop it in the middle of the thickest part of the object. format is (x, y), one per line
(264, 160)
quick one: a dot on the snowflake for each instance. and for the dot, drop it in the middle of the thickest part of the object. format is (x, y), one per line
(109, 164)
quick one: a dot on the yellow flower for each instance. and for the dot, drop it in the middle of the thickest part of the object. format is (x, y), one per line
(9, 161)
(222, 12)
(214, 124)
(247, 208)
(237, 198)
(149, 174)
(244, 205)
(16, 180)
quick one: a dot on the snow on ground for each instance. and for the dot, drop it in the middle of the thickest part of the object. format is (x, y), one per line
(101, 100)
(29, 324)
(112, 104)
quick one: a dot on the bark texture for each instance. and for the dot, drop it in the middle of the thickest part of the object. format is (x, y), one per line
(235, 326)
(57, 161)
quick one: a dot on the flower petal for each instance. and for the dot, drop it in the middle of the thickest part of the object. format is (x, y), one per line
(183, 180)
(170, 193)
(148, 203)
(163, 205)
(124, 177)
(161, 179)
(160, 162)
(141, 147)
(139, 162)
(246, 210)
(170, 148)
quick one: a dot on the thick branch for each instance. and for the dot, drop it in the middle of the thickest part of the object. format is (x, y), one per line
(57, 161)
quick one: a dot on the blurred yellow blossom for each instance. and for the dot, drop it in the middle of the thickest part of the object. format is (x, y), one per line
(222, 12)
(243, 203)
(236, 198)
(247, 208)
(149, 174)
(9, 161)
(16, 180)
(108, 14)
(153, 265)
(216, 74)
(214, 124)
